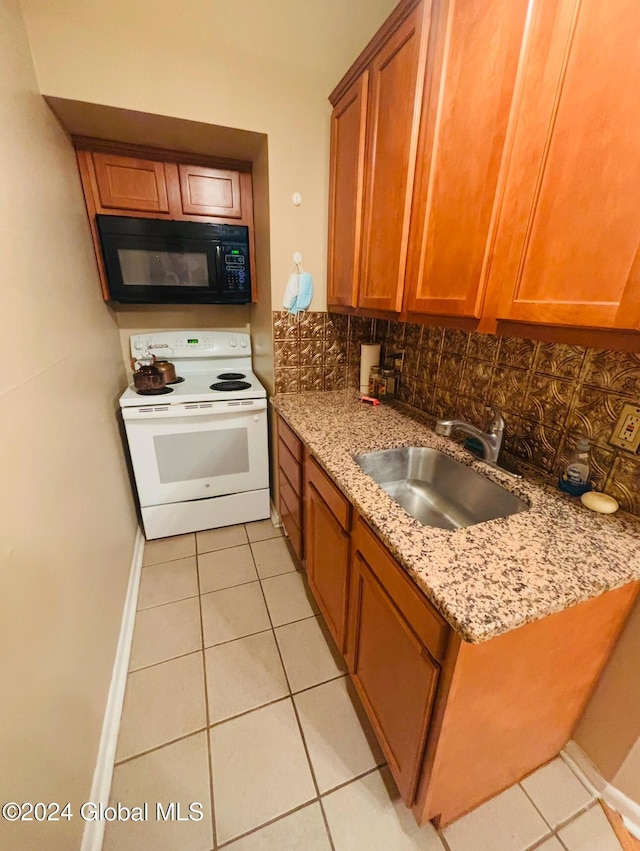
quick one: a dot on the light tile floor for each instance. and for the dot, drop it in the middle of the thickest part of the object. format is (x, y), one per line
(236, 699)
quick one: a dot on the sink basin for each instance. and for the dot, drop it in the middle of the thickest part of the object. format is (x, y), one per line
(436, 489)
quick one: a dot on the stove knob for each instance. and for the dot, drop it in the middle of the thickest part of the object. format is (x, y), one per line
(233, 343)
(138, 344)
(243, 343)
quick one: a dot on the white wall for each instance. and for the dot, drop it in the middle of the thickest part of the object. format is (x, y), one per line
(67, 522)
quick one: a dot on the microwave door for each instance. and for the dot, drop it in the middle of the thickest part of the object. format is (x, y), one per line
(149, 269)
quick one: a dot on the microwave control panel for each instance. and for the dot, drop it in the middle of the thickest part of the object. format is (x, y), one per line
(235, 264)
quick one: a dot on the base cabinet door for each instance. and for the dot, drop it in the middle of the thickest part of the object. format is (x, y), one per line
(393, 672)
(327, 552)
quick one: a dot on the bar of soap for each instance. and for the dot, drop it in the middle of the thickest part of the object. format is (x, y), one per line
(600, 502)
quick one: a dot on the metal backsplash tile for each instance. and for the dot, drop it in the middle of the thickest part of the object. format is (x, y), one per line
(312, 325)
(508, 388)
(559, 360)
(311, 378)
(287, 380)
(594, 414)
(548, 399)
(483, 346)
(455, 341)
(515, 352)
(624, 482)
(476, 378)
(286, 353)
(537, 444)
(551, 394)
(311, 353)
(615, 371)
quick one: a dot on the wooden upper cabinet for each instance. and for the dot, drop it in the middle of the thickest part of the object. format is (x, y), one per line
(346, 184)
(395, 91)
(569, 233)
(210, 191)
(463, 127)
(128, 183)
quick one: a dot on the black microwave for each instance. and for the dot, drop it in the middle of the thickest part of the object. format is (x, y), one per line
(157, 261)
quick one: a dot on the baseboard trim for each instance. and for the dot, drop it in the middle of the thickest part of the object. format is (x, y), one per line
(101, 786)
(580, 763)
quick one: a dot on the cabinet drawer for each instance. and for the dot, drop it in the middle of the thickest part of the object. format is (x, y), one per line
(291, 499)
(334, 498)
(430, 627)
(291, 441)
(290, 467)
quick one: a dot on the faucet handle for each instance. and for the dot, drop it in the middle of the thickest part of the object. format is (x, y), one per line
(497, 424)
(443, 427)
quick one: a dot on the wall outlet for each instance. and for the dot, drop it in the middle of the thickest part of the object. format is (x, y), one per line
(626, 433)
(398, 361)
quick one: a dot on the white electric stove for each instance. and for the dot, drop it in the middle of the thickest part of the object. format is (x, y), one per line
(199, 450)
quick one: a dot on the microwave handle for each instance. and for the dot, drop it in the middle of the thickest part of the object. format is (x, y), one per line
(219, 269)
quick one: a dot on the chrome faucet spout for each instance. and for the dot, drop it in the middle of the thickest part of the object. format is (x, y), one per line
(491, 439)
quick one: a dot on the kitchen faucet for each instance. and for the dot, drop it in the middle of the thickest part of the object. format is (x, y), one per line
(491, 439)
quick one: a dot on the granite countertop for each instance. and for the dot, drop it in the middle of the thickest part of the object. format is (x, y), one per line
(485, 579)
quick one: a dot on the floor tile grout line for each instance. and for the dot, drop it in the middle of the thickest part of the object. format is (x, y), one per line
(564, 822)
(162, 661)
(585, 809)
(207, 712)
(168, 560)
(442, 838)
(168, 603)
(289, 697)
(228, 587)
(536, 807)
(223, 549)
(117, 763)
(274, 820)
(351, 780)
(297, 717)
(275, 700)
(316, 800)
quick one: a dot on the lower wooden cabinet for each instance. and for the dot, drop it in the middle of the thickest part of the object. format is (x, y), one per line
(290, 486)
(327, 516)
(389, 660)
(458, 722)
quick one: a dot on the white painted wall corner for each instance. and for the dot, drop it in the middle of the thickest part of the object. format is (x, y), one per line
(581, 765)
(103, 774)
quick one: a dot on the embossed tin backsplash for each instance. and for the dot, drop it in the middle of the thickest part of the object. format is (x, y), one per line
(550, 393)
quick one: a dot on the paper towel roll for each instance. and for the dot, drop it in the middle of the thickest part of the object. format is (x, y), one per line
(369, 356)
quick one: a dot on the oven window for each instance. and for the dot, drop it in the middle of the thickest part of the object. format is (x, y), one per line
(141, 266)
(201, 454)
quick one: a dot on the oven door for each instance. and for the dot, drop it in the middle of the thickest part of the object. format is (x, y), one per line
(198, 450)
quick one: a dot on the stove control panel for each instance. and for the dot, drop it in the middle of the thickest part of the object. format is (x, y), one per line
(201, 343)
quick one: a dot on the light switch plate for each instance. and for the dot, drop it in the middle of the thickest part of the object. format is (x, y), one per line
(626, 433)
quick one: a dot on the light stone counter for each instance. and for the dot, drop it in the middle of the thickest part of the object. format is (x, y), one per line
(485, 579)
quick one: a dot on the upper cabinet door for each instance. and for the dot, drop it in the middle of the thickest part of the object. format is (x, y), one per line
(462, 134)
(346, 183)
(210, 192)
(569, 233)
(391, 146)
(127, 183)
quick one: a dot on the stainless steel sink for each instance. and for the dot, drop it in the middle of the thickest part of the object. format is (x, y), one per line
(436, 489)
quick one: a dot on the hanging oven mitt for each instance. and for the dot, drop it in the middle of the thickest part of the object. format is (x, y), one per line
(305, 292)
(289, 300)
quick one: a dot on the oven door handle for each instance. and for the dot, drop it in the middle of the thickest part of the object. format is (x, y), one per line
(194, 409)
